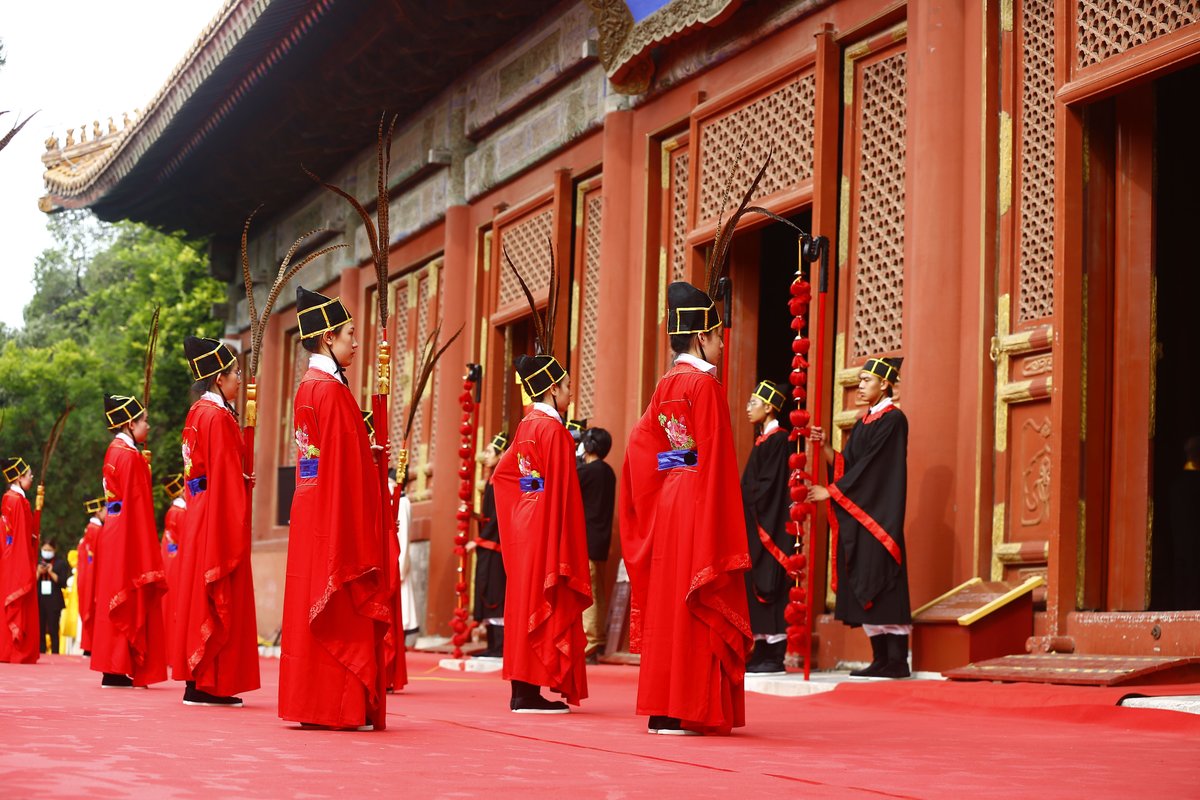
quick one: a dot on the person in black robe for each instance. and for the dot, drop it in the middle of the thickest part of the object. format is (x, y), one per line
(490, 579)
(870, 478)
(765, 500)
(598, 490)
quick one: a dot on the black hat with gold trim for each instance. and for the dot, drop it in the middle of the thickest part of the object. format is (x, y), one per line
(538, 373)
(770, 393)
(317, 313)
(886, 368)
(369, 421)
(119, 410)
(13, 468)
(690, 310)
(173, 485)
(207, 357)
(95, 505)
(500, 442)
(577, 425)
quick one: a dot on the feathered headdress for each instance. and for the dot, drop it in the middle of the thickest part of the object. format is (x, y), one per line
(258, 323)
(378, 232)
(148, 365)
(542, 370)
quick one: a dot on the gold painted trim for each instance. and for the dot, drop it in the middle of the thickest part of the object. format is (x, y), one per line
(1081, 555)
(844, 223)
(1021, 391)
(576, 315)
(852, 54)
(662, 285)
(839, 401)
(1006, 15)
(1025, 588)
(580, 190)
(1010, 553)
(997, 540)
(948, 594)
(1006, 162)
(431, 286)
(412, 291)
(487, 251)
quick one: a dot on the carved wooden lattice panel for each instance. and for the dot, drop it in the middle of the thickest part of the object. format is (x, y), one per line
(1035, 298)
(1109, 27)
(401, 359)
(527, 243)
(425, 324)
(740, 140)
(680, 161)
(879, 224)
(591, 305)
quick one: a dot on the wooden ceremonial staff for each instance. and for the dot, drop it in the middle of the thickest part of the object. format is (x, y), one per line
(47, 452)
(816, 248)
(148, 368)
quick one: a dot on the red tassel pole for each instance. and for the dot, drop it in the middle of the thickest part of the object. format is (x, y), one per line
(462, 624)
(798, 611)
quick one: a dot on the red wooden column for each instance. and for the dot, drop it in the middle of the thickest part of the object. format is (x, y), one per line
(457, 282)
(933, 301)
(619, 327)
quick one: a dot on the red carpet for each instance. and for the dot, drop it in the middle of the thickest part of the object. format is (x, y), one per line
(452, 736)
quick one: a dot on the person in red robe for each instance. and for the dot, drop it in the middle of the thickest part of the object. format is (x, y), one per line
(172, 544)
(683, 537)
(18, 567)
(540, 510)
(214, 642)
(85, 572)
(128, 638)
(336, 608)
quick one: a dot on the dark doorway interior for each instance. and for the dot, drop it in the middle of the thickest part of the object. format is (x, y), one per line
(1175, 555)
(777, 269)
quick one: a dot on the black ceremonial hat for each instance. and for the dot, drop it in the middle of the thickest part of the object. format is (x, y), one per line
(207, 357)
(173, 485)
(690, 310)
(770, 393)
(317, 313)
(538, 373)
(500, 441)
(13, 468)
(886, 368)
(119, 409)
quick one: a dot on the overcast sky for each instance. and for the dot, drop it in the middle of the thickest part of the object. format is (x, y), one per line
(73, 61)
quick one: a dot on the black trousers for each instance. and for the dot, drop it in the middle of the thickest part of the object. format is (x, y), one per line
(49, 626)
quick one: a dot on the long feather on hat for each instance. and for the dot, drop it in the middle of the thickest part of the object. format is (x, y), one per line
(52, 441)
(287, 270)
(543, 327)
(718, 260)
(151, 347)
(430, 353)
(378, 231)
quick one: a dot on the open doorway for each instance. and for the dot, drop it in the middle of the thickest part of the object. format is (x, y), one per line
(1175, 546)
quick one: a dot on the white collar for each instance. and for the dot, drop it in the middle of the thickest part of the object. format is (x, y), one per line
(180, 502)
(770, 426)
(698, 363)
(16, 487)
(214, 398)
(881, 405)
(547, 409)
(127, 439)
(95, 521)
(322, 362)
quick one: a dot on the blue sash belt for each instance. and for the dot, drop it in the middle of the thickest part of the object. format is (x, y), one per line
(532, 484)
(308, 467)
(670, 459)
(197, 485)
(172, 548)
(114, 507)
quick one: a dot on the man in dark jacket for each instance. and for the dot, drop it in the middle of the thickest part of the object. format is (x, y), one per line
(598, 486)
(52, 575)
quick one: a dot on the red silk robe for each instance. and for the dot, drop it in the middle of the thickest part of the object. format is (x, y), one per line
(215, 635)
(85, 582)
(683, 537)
(540, 511)
(336, 602)
(128, 637)
(172, 556)
(18, 573)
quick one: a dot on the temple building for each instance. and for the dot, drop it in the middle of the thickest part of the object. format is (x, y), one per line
(1006, 186)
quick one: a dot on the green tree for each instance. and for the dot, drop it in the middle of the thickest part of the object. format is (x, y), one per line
(85, 336)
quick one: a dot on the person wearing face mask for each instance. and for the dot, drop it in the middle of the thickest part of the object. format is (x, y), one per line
(870, 567)
(214, 635)
(18, 573)
(336, 606)
(52, 575)
(128, 638)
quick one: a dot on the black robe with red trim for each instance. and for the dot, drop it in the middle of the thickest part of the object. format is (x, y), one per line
(868, 497)
(765, 500)
(490, 578)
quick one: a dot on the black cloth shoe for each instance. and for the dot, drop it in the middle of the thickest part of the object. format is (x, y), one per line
(771, 660)
(656, 723)
(112, 680)
(536, 704)
(897, 657)
(194, 697)
(673, 726)
(879, 658)
(756, 655)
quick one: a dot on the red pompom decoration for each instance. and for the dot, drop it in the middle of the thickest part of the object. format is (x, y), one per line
(796, 594)
(794, 377)
(797, 512)
(800, 287)
(464, 397)
(799, 417)
(460, 587)
(460, 539)
(464, 452)
(796, 613)
(797, 305)
(459, 626)
(794, 461)
(460, 551)
(801, 344)
(797, 493)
